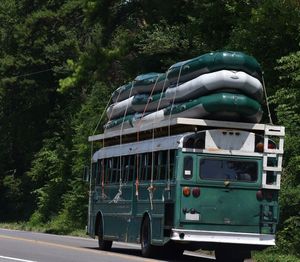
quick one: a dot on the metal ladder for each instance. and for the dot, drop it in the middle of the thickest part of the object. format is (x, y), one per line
(272, 154)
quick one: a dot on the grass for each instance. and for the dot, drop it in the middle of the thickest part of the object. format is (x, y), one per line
(273, 255)
(47, 228)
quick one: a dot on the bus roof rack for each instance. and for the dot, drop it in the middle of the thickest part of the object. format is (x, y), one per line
(171, 127)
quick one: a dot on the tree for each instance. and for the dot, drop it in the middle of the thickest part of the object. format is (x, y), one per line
(36, 40)
(288, 112)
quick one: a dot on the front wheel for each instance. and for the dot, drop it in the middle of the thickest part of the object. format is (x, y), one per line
(103, 244)
(148, 250)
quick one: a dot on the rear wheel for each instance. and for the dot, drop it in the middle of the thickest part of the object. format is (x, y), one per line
(148, 250)
(103, 244)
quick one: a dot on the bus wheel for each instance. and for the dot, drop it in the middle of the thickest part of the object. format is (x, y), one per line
(148, 250)
(103, 244)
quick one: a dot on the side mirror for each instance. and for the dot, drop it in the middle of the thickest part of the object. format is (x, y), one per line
(86, 174)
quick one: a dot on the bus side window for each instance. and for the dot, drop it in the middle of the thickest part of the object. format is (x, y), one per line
(172, 163)
(140, 168)
(156, 163)
(188, 167)
(131, 167)
(128, 168)
(123, 164)
(125, 168)
(143, 166)
(96, 172)
(108, 170)
(149, 167)
(115, 170)
(163, 164)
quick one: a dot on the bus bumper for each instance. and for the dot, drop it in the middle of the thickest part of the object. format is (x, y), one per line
(183, 235)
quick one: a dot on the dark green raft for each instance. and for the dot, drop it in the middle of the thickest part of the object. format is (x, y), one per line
(142, 84)
(211, 62)
(220, 106)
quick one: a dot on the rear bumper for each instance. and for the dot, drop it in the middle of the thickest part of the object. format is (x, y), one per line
(183, 235)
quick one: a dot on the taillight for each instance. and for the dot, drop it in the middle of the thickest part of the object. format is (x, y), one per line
(196, 192)
(266, 194)
(259, 195)
(260, 147)
(186, 191)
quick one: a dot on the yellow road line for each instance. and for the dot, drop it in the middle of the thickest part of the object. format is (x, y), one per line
(81, 249)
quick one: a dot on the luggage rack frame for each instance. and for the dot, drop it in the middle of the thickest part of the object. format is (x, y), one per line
(169, 127)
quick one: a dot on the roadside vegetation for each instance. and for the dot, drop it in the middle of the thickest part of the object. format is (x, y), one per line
(61, 59)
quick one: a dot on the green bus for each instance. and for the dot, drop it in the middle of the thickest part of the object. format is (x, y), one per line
(214, 188)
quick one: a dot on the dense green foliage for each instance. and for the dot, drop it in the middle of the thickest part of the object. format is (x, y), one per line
(61, 59)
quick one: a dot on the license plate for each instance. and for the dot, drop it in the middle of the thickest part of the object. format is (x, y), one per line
(193, 217)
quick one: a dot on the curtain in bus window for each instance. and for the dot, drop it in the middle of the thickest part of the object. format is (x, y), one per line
(235, 170)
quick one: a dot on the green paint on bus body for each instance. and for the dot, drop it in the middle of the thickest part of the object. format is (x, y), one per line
(221, 206)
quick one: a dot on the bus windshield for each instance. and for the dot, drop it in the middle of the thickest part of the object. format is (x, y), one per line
(224, 169)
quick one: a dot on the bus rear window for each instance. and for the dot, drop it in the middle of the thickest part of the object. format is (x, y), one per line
(224, 169)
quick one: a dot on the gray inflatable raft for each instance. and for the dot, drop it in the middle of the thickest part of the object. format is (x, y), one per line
(237, 81)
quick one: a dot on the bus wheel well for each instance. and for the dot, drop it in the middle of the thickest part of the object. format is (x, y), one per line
(145, 216)
(98, 219)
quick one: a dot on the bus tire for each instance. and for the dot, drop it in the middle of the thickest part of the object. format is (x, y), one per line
(103, 244)
(148, 250)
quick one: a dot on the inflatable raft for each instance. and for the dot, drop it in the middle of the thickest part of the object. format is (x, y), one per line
(221, 106)
(118, 109)
(240, 82)
(142, 84)
(122, 122)
(144, 102)
(211, 62)
(138, 103)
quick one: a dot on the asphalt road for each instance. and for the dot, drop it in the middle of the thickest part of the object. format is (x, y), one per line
(22, 246)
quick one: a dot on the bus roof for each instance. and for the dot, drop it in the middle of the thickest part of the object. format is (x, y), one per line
(157, 144)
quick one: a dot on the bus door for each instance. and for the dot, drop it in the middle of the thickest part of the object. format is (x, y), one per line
(222, 192)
